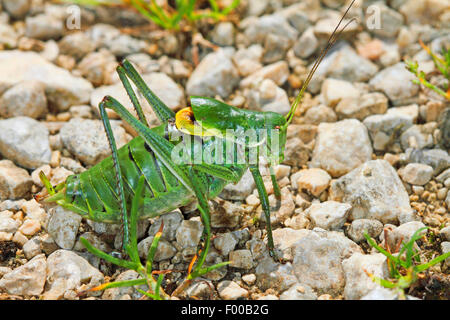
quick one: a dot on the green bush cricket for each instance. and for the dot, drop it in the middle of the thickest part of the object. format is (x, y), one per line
(144, 176)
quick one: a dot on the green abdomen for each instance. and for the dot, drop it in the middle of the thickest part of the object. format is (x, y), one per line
(93, 193)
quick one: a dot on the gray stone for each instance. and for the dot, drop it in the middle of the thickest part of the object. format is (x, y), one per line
(328, 215)
(375, 192)
(86, 139)
(306, 45)
(76, 44)
(275, 48)
(299, 292)
(371, 226)
(404, 233)
(240, 190)
(241, 259)
(15, 183)
(362, 106)
(341, 146)
(334, 90)
(275, 24)
(44, 27)
(223, 34)
(124, 293)
(25, 141)
(416, 173)
(124, 45)
(248, 60)
(390, 20)
(418, 136)
(318, 260)
(445, 232)
(357, 282)
(26, 98)
(318, 114)
(230, 290)
(189, 233)
(215, 75)
(28, 279)
(277, 72)
(63, 227)
(17, 8)
(436, 158)
(67, 271)
(32, 248)
(267, 96)
(171, 220)
(445, 246)
(99, 68)
(8, 36)
(225, 243)
(380, 293)
(385, 129)
(61, 87)
(396, 83)
(225, 214)
(8, 224)
(164, 250)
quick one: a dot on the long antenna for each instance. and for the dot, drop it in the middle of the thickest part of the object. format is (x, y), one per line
(331, 41)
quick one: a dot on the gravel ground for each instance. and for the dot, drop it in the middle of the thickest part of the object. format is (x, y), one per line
(368, 149)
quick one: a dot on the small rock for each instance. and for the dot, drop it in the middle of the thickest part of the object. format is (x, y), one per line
(17, 8)
(267, 96)
(8, 36)
(34, 210)
(437, 158)
(62, 88)
(249, 279)
(86, 139)
(241, 259)
(390, 20)
(98, 67)
(32, 248)
(445, 246)
(122, 293)
(67, 271)
(375, 192)
(380, 293)
(313, 180)
(226, 215)
(275, 24)
(19, 238)
(25, 141)
(76, 44)
(341, 147)
(189, 233)
(359, 226)
(299, 292)
(385, 128)
(416, 173)
(278, 72)
(44, 27)
(318, 260)
(225, 243)
(15, 182)
(445, 233)
(223, 34)
(319, 114)
(240, 190)
(215, 75)
(357, 282)
(63, 227)
(28, 279)
(171, 220)
(230, 290)
(396, 83)
(334, 90)
(418, 136)
(306, 45)
(248, 60)
(362, 106)
(8, 224)
(404, 233)
(164, 251)
(30, 227)
(328, 215)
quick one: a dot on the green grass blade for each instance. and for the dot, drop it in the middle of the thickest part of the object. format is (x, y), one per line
(107, 257)
(380, 249)
(436, 260)
(117, 284)
(145, 293)
(153, 248)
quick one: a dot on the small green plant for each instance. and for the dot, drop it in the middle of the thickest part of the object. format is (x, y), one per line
(146, 272)
(404, 268)
(166, 16)
(442, 64)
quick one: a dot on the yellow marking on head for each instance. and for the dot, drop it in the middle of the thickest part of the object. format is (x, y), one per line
(185, 122)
